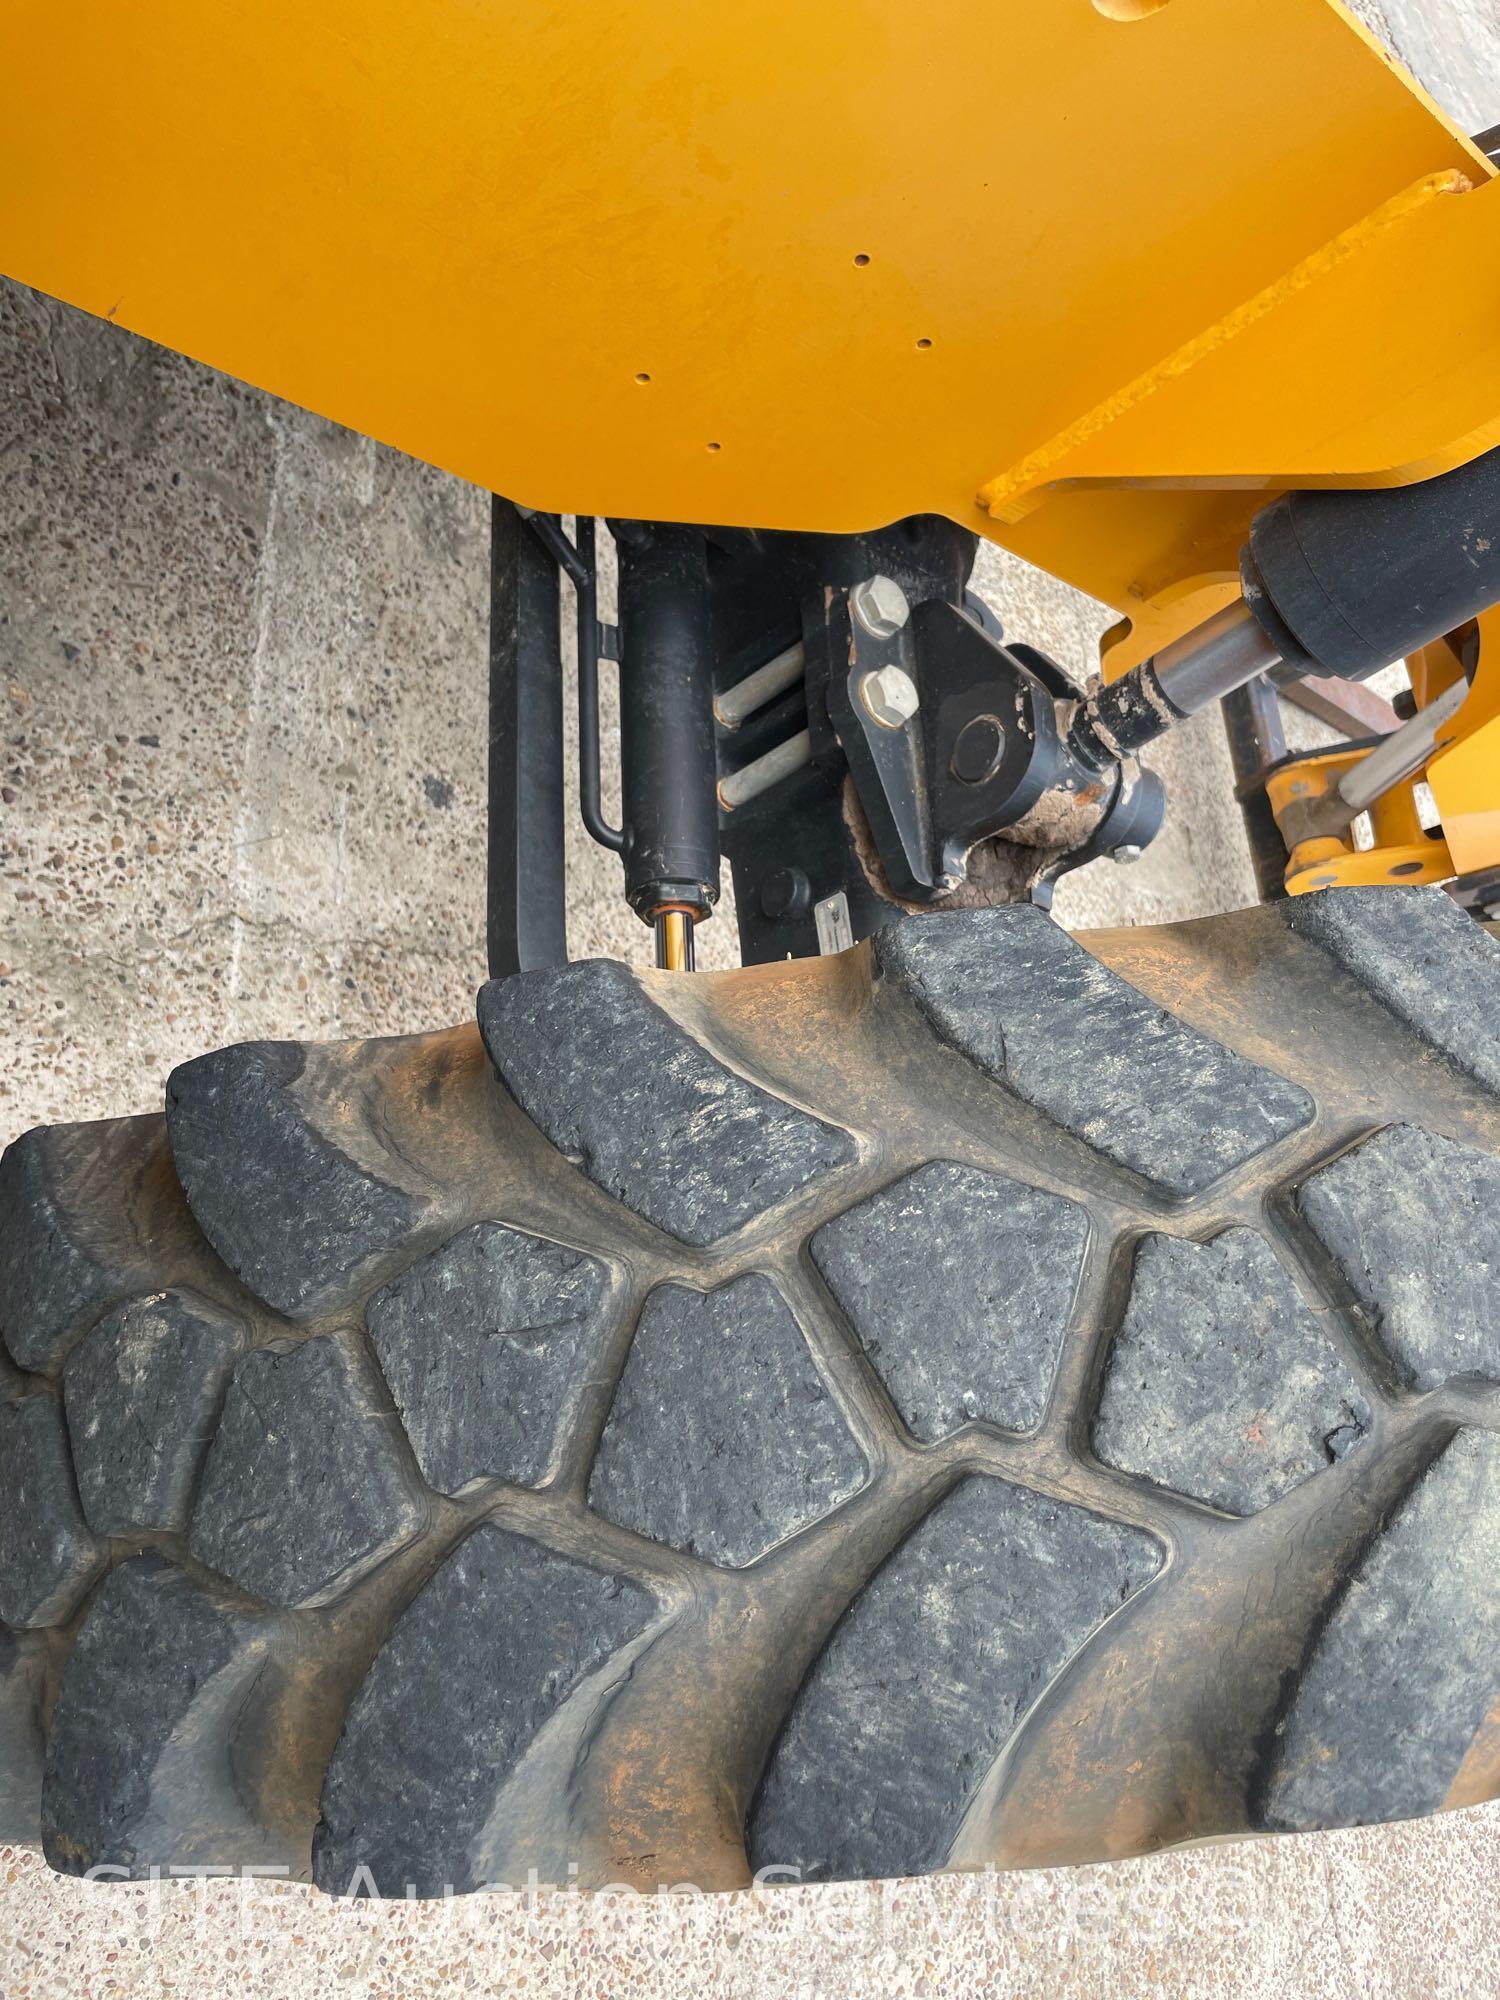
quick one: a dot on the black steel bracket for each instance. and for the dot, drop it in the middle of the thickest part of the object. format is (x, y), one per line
(835, 805)
(526, 904)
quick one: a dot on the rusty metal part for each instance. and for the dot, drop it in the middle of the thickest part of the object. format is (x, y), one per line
(1000, 870)
(1203, 666)
(1452, 743)
(1063, 820)
(1347, 706)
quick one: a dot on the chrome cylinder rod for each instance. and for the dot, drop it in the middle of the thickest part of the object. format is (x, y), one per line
(1402, 754)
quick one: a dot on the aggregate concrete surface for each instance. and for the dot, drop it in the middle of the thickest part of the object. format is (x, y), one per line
(241, 794)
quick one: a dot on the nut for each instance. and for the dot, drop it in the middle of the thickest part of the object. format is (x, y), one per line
(890, 695)
(1125, 855)
(879, 603)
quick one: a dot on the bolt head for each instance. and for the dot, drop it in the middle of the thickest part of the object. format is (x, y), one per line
(879, 603)
(890, 695)
(1125, 855)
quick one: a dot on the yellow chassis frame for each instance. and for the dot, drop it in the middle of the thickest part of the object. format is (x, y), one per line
(1096, 277)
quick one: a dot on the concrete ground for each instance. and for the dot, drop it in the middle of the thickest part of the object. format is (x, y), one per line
(241, 793)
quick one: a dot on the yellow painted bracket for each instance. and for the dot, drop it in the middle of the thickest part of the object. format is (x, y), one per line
(1463, 775)
(1464, 771)
(1125, 270)
(1402, 853)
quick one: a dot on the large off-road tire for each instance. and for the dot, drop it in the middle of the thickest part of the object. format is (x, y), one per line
(993, 1397)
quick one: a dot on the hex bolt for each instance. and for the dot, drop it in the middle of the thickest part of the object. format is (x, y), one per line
(890, 695)
(1125, 855)
(879, 603)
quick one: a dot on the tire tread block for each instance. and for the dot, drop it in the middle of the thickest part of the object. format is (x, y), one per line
(482, 1657)
(65, 1257)
(141, 1764)
(1422, 957)
(1011, 991)
(142, 1391)
(291, 1213)
(23, 1675)
(648, 1113)
(1221, 1383)
(1432, 1296)
(959, 1284)
(487, 1344)
(48, 1558)
(304, 1489)
(928, 1674)
(1405, 1669)
(723, 1438)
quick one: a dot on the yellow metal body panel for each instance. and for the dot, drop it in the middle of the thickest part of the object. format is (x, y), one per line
(1464, 773)
(788, 265)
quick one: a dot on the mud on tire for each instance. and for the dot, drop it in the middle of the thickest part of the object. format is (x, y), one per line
(991, 1398)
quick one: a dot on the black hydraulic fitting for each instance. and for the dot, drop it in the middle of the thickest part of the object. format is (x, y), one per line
(1122, 718)
(1190, 674)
